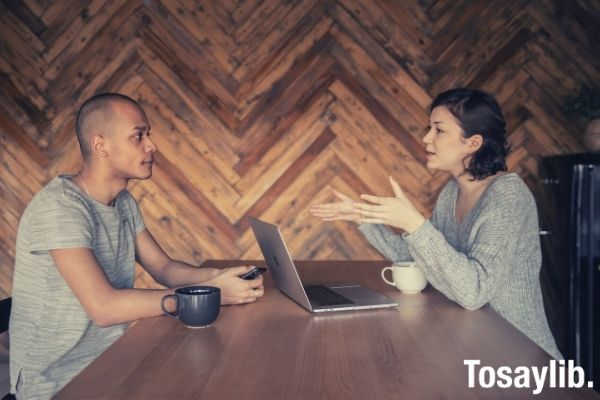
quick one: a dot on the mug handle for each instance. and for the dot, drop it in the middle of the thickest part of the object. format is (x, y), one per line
(384, 278)
(162, 304)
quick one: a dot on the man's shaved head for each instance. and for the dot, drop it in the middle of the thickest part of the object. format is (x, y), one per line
(95, 113)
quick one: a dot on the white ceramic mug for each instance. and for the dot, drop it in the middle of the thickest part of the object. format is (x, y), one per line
(406, 276)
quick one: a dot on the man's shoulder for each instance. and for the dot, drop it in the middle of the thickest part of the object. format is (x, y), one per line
(57, 194)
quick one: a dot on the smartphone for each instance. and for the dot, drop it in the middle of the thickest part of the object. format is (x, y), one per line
(253, 273)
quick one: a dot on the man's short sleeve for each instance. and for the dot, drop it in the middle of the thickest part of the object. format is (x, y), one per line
(136, 214)
(60, 223)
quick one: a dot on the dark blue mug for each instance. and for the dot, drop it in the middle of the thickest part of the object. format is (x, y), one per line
(196, 306)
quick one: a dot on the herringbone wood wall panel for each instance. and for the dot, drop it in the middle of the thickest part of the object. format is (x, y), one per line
(261, 107)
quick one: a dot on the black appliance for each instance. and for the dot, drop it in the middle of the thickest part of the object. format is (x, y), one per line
(569, 203)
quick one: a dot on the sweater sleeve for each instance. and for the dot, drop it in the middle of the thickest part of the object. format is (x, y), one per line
(473, 277)
(391, 245)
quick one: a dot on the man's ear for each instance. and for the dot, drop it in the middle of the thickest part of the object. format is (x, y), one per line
(475, 142)
(98, 145)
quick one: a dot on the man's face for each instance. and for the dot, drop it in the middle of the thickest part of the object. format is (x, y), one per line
(128, 145)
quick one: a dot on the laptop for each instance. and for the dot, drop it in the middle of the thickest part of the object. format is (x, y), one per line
(314, 298)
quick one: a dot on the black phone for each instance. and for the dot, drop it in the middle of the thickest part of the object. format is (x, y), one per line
(253, 273)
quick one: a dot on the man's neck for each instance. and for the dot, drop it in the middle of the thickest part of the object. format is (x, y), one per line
(99, 186)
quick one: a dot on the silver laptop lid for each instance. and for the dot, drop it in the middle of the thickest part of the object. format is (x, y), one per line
(280, 262)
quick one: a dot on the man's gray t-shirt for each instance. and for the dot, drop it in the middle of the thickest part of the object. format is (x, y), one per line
(52, 337)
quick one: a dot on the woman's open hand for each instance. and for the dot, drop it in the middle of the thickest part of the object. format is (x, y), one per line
(342, 210)
(397, 211)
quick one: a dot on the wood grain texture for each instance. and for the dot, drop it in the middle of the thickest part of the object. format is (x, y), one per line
(263, 107)
(274, 349)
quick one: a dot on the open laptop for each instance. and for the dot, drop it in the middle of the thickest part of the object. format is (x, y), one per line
(315, 298)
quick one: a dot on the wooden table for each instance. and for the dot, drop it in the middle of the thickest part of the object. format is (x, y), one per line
(274, 349)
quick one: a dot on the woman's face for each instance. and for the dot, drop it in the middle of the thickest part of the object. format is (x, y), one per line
(447, 149)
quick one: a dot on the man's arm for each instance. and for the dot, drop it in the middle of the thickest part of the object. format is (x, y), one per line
(107, 306)
(172, 273)
(104, 304)
(165, 270)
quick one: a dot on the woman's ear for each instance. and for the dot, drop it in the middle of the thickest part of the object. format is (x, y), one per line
(474, 142)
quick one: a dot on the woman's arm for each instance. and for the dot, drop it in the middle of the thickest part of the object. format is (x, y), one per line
(390, 244)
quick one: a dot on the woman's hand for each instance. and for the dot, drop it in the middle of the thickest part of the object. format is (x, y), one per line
(342, 210)
(235, 290)
(397, 211)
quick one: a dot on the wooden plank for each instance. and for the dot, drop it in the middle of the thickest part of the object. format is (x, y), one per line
(282, 108)
(222, 13)
(406, 50)
(74, 76)
(289, 209)
(68, 161)
(355, 112)
(13, 132)
(504, 81)
(465, 59)
(203, 175)
(18, 155)
(13, 204)
(81, 89)
(200, 141)
(411, 19)
(411, 140)
(79, 33)
(393, 163)
(260, 15)
(191, 235)
(554, 34)
(283, 168)
(191, 109)
(212, 92)
(203, 28)
(189, 50)
(290, 174)
(244, 9)
(58, 16)
(25, 61)
(20, 18)
(38, 6)
(172, 181)
(14, 188)
(274, 92)
(256, 87)
(261, 54)
(451, 31)
(501, 57)
(271, 29)
(26, 176)
(365, 50)
(290, 144)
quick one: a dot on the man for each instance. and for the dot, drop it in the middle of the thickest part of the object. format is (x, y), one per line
(76, 246)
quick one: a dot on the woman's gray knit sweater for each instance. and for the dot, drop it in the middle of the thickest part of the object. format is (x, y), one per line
(493, 256)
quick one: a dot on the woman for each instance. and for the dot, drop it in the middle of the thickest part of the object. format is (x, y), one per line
(481, 244)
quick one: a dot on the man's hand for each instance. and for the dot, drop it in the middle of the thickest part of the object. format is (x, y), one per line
(235, 290)
(397, 211)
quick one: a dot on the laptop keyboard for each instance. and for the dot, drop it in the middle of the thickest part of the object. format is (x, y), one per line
(323, 296)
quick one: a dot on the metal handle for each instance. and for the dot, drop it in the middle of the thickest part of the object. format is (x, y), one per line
(544, 232)
(550, 181)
